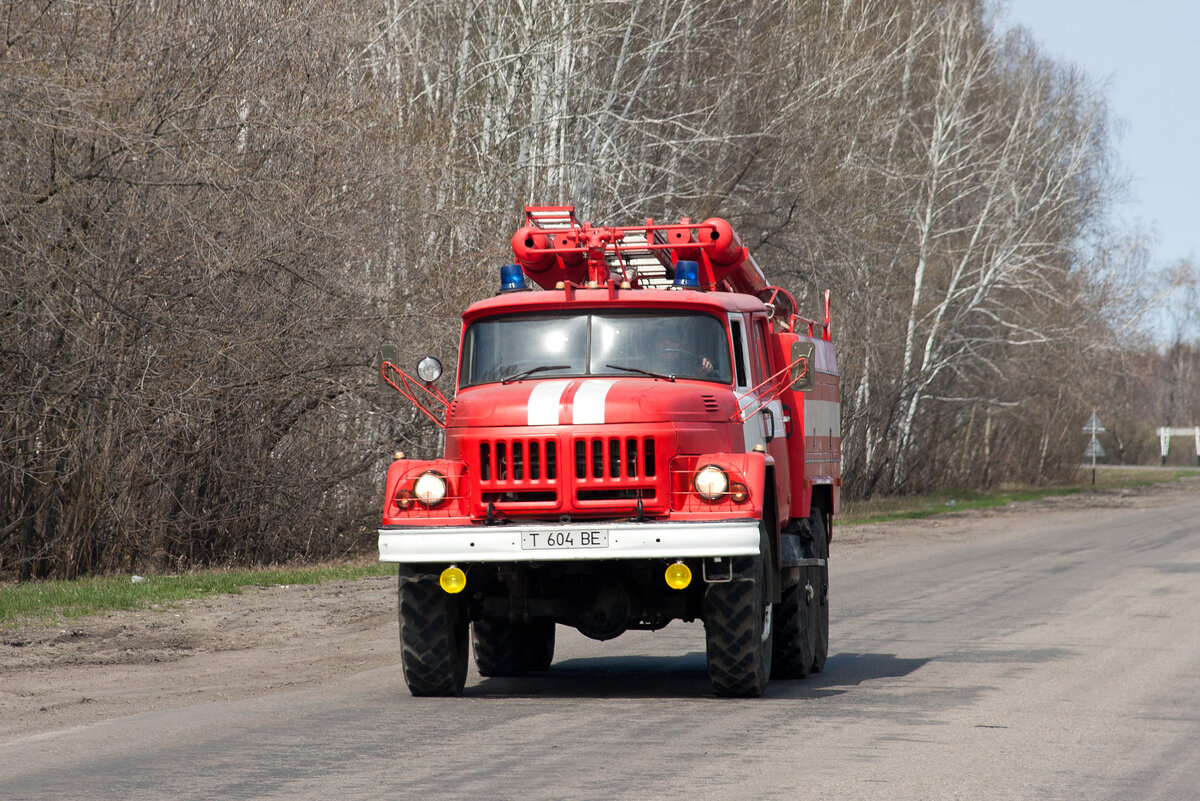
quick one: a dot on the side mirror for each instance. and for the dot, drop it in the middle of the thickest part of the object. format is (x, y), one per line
(429, 369)
(802, 365)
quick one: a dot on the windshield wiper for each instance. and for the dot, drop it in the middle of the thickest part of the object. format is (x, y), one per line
(650, 373)
(532, 370)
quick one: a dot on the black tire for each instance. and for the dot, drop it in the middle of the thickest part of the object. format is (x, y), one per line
(794, 639)
(820, 582)
(433, 636)
(737, 628)
(506, 648)
(499, 647)
(540, 644)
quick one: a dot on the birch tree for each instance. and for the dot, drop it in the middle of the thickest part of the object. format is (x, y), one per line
(1008, 168)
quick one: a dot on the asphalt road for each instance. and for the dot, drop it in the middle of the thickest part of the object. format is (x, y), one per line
(1039, 655)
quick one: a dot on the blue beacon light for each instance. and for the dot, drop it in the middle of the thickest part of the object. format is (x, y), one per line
(512, 278)
(687, 274)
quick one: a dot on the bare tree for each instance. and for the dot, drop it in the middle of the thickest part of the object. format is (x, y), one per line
(185, 188)
(210, 219)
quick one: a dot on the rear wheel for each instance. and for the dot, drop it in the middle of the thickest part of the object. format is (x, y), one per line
(498, 647)
(794, 637)
(433, 636)
(737, 627)
(540, 644)
(819, 577)
(507, 648)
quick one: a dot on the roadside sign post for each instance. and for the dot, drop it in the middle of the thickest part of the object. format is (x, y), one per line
(1094, 448)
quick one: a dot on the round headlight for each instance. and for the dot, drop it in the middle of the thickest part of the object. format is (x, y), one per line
(710, 482)
(429, 369)
(430, 488)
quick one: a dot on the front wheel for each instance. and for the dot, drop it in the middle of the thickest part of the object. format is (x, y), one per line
(433, 636)
(737, 628)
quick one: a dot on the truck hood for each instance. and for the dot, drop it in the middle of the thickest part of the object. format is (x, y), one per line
(591, 401)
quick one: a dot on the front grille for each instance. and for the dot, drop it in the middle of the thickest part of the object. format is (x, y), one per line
(604, 473)
(616, 494)
(614, 457)
(518, 460)
(521, 496)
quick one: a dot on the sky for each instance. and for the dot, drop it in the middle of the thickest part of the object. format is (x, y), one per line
(1148, 53)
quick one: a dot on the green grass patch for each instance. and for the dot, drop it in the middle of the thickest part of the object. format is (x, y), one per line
(51, 602)
(881, 510)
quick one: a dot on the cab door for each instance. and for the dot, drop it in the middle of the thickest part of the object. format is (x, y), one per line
(740, 330)
(770, 418)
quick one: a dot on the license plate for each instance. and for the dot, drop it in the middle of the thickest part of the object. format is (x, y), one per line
(565, 538)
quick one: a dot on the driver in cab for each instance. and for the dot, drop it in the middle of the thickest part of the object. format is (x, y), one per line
(677, 358)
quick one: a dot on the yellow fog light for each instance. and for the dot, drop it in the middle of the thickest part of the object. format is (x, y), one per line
(678, 576)
(453, 580)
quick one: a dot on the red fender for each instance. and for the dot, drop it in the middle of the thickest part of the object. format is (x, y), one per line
(401, 508)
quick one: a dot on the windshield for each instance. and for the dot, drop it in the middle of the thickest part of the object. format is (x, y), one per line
(663, 345)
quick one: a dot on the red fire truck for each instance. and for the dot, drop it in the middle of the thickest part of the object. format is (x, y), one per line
(651, 434)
